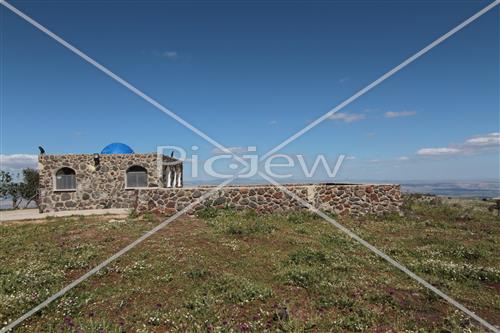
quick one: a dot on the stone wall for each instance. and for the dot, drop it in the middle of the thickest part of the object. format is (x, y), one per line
(102, 185)
(97, 186)
(342, 199)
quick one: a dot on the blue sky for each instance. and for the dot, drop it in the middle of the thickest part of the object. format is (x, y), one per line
(253, 73)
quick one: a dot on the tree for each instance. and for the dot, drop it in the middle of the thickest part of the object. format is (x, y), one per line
(9, 189)
(28, 189)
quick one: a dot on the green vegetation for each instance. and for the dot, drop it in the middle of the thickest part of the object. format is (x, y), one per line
(27, 189)
(227, 271)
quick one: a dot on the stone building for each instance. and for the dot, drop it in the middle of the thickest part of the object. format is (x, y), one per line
(119, 178)
(106, 180)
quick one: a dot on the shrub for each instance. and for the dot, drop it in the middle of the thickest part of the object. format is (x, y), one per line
(207, 213)
(464, 252)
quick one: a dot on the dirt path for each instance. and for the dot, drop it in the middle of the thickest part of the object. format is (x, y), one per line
(33, 214)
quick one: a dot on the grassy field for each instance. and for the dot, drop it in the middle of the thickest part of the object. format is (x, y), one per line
(237, 272)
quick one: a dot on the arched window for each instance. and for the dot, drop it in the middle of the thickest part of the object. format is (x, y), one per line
(65, 179)
(137, 176)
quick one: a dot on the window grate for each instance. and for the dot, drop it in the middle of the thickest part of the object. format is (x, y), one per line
(137, 179)
(65, 179)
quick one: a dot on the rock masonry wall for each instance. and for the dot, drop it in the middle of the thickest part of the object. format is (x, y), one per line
(97, 186)
(342, 199)
(103, 186)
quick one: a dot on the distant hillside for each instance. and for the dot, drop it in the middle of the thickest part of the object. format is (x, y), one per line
(483, 189)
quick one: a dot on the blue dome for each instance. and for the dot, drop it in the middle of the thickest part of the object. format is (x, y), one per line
(117, 148)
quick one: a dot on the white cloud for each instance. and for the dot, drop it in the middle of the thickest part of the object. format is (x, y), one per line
(487, 140)
(394, 114)
(350, 157)
(272, 122)
(171, 55)
(403, 158)
(442, 151)
(234, 150)
(16, 162)
(347, 117)
(473, 145)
